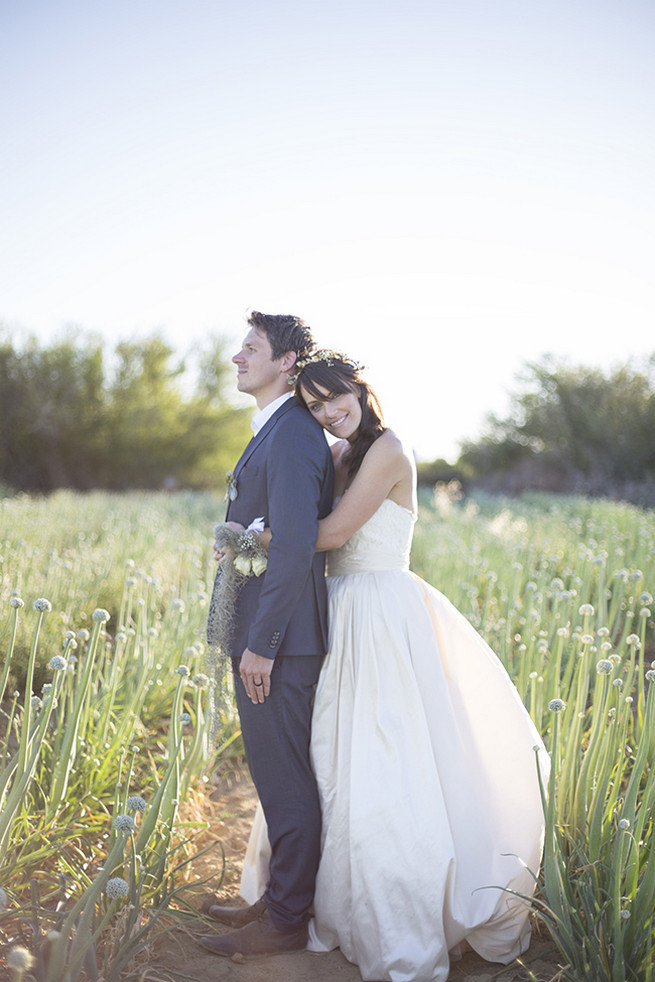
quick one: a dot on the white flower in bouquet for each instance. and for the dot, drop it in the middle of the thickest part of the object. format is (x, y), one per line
(258, 565)
(243, 564)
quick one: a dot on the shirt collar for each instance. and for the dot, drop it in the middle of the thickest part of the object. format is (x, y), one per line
(263, 416)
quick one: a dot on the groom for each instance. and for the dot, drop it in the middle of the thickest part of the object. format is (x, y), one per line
(284, 475)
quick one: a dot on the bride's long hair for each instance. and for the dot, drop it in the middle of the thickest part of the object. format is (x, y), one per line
(338, 376)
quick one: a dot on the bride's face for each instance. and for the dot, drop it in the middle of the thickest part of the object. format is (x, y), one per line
(338, 412)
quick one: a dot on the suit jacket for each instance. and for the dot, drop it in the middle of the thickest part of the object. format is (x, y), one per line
(286, 476)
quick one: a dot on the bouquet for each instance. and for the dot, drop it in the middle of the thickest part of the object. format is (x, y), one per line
(242, 549)
(243, 557)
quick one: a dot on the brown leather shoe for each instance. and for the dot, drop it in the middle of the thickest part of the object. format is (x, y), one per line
(237, 916)
(261, 937)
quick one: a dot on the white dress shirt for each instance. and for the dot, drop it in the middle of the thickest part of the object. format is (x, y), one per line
(265, 414)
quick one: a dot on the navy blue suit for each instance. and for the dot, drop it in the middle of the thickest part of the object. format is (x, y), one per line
(285, 475)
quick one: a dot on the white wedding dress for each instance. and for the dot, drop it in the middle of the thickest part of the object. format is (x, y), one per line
(427, 771)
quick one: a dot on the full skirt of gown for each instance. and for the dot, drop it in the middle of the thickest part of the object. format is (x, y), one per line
(427, 768)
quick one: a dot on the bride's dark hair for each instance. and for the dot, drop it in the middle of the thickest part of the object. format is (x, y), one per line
(337, 375)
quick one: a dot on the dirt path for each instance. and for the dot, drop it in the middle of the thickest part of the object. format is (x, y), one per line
(229, 809)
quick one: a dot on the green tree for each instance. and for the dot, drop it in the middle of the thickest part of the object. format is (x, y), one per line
(143, 420)
(573, 429)
(51, 405)
(66, 420)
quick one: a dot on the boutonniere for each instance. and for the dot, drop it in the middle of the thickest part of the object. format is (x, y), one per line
(231, 490)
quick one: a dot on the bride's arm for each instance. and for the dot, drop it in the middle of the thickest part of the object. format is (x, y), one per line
(384, 466)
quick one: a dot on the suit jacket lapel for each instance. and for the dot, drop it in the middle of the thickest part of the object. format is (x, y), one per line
(267, 428)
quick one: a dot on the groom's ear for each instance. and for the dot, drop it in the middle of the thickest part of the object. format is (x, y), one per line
(288, 360)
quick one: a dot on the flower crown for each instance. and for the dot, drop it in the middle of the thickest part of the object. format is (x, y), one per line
(329, 356)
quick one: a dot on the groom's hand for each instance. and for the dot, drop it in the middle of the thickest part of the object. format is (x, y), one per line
(255, 673)
(219, 552)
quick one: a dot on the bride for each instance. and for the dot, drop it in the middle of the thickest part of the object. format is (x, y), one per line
(425, 757)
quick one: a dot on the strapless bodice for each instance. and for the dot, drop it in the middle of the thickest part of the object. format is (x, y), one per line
(382, 543)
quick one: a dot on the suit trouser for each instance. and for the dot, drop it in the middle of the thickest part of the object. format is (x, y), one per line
(276, 740)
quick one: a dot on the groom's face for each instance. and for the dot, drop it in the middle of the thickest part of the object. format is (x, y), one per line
(257, 373)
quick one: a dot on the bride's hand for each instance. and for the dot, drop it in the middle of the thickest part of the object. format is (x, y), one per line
(264, 538)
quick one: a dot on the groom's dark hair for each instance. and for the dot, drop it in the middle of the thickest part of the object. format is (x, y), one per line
(284, 333)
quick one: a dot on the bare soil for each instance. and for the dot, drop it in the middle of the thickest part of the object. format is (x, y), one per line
(229, 809)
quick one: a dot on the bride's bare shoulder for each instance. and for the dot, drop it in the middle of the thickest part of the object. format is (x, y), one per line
(390, 444)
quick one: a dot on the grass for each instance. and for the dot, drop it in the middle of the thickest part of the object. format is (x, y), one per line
(103, 732)
(104, 718)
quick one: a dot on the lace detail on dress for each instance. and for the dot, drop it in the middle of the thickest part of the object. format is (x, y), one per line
(382, 543)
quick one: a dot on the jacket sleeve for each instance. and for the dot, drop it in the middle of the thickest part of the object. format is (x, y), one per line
(296, 471)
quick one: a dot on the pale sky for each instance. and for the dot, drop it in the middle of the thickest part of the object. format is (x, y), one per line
(445, 190)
